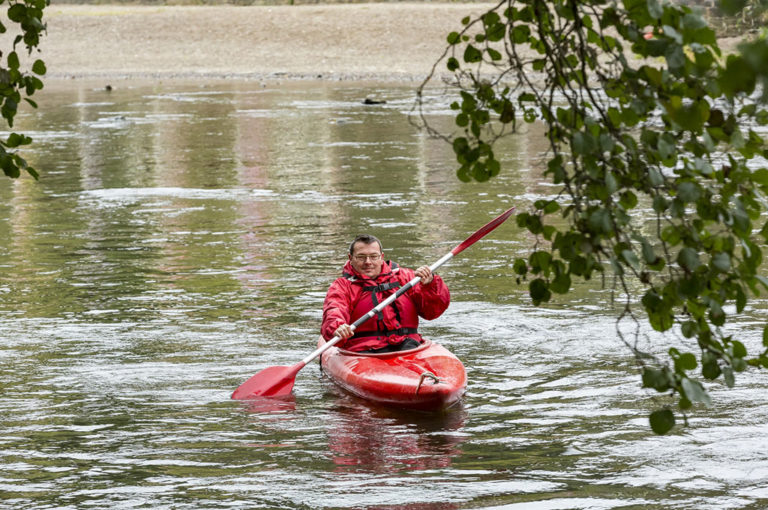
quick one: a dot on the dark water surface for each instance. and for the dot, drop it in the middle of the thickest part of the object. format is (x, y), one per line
(183, 237)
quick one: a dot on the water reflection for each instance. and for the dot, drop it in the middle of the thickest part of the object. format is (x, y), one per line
(371, 439)
(272, 406)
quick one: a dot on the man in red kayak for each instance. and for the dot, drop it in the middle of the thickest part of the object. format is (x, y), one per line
(366, 281)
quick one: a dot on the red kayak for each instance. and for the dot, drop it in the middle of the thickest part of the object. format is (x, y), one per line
(428, 377)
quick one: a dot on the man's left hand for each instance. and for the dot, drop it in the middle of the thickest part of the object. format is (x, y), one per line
(426, 275)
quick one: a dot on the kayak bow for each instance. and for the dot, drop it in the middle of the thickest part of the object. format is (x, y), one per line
(427, 378)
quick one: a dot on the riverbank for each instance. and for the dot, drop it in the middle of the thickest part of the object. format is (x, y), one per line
(340, 41)
(381, 42)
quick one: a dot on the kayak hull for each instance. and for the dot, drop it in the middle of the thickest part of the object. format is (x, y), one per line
(427, 378)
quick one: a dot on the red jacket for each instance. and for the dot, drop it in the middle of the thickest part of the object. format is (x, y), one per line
(352, 296)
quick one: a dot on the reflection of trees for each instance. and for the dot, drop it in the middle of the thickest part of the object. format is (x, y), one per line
(194, 147)
(41, 232)
(380, 440)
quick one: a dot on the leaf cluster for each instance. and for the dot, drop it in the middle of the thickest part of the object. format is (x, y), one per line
(642, 111)
(16, 84)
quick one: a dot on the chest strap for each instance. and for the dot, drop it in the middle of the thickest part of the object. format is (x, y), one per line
(374, 290)
(382, 287)
(387, 332)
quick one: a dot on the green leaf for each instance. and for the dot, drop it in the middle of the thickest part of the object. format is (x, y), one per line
(17, 12)
(686, 361)
(31, 171)
(454, 38)
(13, 60)
(540, 261)
(688, 191)
(539, 291)
(490, 18)
(688, 258)
(654, 9)
(631, 259)
(600, 220)
(661, 320)
(496, 32)
(520, 34)
(15, 139)
(710, 368)
(722, 262)
(472, 54)
(716, 313)
(739, 350)
(695, 392)
(507, 114)
(675, 57)
(738, 77)
(561, 284)
(583, 143)
(729, 377)
(662, 421)
(689, 329)
(656, 379)
(649, 255)
(495, 55)
(760, 176)
(692, 21)
(547, 206)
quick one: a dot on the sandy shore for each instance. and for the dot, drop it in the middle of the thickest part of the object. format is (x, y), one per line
(387, 41)
(342, 41)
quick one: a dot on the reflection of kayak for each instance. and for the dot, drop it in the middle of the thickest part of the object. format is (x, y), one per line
(428, 378)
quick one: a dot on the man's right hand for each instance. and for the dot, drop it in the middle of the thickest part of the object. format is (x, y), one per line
(344, 331)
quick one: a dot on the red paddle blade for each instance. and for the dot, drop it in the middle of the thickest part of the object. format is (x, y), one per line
(483, 231)
(270, 382)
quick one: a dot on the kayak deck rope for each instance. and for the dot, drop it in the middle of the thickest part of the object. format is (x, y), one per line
(435, 379)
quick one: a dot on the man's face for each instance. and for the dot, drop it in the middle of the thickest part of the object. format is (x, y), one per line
(367, 259)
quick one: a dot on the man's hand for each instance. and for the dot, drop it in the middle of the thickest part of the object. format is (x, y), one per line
(426, 275)
(344, 331)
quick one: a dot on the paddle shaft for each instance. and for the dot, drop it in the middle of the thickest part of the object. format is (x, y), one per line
(402, 290)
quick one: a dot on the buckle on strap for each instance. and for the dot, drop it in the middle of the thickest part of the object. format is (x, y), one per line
(382, 287)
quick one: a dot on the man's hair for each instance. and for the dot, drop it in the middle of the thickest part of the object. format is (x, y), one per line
(365, 239)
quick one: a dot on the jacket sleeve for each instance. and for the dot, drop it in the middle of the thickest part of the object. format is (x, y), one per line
(336, 308)
(430, 300)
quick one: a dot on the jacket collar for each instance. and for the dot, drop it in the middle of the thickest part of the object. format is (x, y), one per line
(352, 275)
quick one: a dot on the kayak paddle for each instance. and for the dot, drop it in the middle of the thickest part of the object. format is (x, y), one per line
(278, 381)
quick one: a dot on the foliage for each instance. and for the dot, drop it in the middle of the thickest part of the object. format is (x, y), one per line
(641, 110)
(742, 15)
(15, 83)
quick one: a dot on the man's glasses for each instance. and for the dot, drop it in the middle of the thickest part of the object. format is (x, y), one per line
(363, 258)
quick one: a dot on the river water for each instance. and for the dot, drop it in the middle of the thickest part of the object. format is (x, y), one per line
(182, 237)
